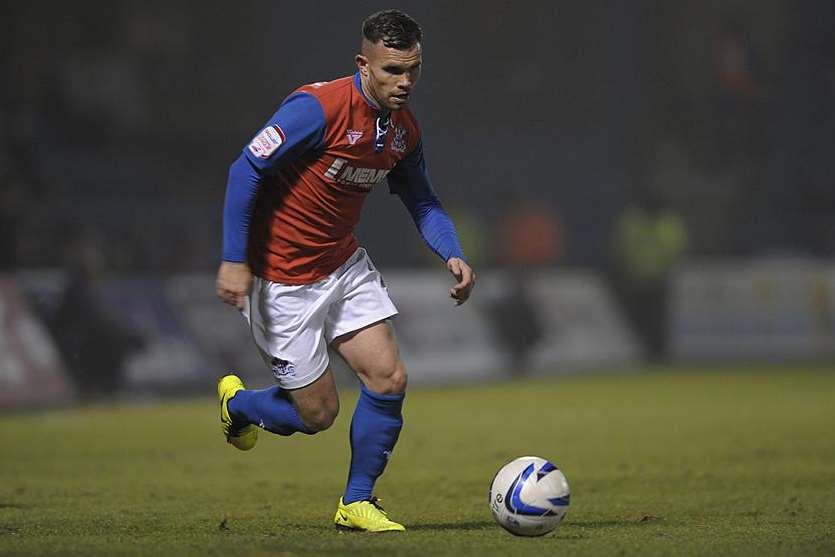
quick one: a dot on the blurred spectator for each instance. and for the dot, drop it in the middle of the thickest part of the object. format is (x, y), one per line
(649, 240)
(530, 234)
(735, 64)
(92, 338)
(516, 323)
(530, 238)
(740, 97)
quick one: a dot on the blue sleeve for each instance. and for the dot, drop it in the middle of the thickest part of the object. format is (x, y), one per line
(241, 190)
(297, 127)
(410, 181)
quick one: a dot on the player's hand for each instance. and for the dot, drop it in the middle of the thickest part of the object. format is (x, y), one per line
(465, 277)
(233, 283)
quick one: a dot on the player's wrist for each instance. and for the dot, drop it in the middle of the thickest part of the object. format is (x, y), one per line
(236, 265)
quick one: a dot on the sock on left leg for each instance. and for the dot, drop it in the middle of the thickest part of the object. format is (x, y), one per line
(375, 428)
(270, 409)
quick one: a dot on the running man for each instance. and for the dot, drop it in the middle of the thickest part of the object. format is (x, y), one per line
(293, 266)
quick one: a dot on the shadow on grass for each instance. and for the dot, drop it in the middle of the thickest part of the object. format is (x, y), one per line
(489, 524)
(601, 524)
(569, 529)
(479, 525)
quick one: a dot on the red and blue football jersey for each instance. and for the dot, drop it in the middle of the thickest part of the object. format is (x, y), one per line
(314, 163)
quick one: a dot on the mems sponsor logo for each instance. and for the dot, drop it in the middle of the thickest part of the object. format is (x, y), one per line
(364, 178)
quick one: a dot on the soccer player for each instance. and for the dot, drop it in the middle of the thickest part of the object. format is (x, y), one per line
(292, 264)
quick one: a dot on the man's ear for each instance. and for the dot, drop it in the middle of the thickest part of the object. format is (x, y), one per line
(362, 64)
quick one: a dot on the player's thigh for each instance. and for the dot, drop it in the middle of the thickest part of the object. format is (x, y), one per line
(318, 402)
(358, 328)
(363, 299)
(287, 325)
(373, 355)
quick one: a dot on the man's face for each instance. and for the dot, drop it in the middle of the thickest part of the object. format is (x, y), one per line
(388, 74)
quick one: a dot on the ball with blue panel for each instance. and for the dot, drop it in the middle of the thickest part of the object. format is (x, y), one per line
(529, 496)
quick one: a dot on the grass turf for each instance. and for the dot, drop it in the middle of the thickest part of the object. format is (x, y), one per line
(664, 462)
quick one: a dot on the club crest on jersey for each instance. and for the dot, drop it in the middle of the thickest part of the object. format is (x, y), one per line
(398, 140)
(353, 136)
(265, 143)
(363, 178)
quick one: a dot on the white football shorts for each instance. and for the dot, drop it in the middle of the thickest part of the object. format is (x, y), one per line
(293, 325)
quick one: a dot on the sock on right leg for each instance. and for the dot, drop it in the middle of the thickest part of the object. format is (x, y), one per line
(375, 428)
(270, 409)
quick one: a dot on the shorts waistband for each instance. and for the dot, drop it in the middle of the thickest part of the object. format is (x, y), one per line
(356, 256)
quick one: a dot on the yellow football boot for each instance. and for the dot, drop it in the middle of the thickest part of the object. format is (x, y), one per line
(241, 437)
(367, 516)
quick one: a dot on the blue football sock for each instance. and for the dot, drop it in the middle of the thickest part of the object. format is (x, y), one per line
(374, 431)
(270, 409)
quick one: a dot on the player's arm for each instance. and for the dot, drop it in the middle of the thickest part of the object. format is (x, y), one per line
(410, 181)
(298, 126)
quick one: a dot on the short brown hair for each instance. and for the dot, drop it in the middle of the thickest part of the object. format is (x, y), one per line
(395, 28)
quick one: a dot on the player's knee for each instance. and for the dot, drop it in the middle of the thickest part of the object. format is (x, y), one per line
(394, 382)
(321, 417)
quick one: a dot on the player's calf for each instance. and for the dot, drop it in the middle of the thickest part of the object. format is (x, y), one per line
(317, 403)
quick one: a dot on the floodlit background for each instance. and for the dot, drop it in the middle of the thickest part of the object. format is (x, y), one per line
(644, 187)
(633, 181)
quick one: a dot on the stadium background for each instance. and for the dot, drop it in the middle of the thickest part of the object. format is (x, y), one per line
(643, 187)
(608, 165)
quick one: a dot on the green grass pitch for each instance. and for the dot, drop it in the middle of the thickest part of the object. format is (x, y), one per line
(666, 462)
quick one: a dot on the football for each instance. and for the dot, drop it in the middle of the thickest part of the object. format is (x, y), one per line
(529, 496)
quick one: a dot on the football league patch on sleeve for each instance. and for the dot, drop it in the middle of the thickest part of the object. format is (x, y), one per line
(265, 143)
